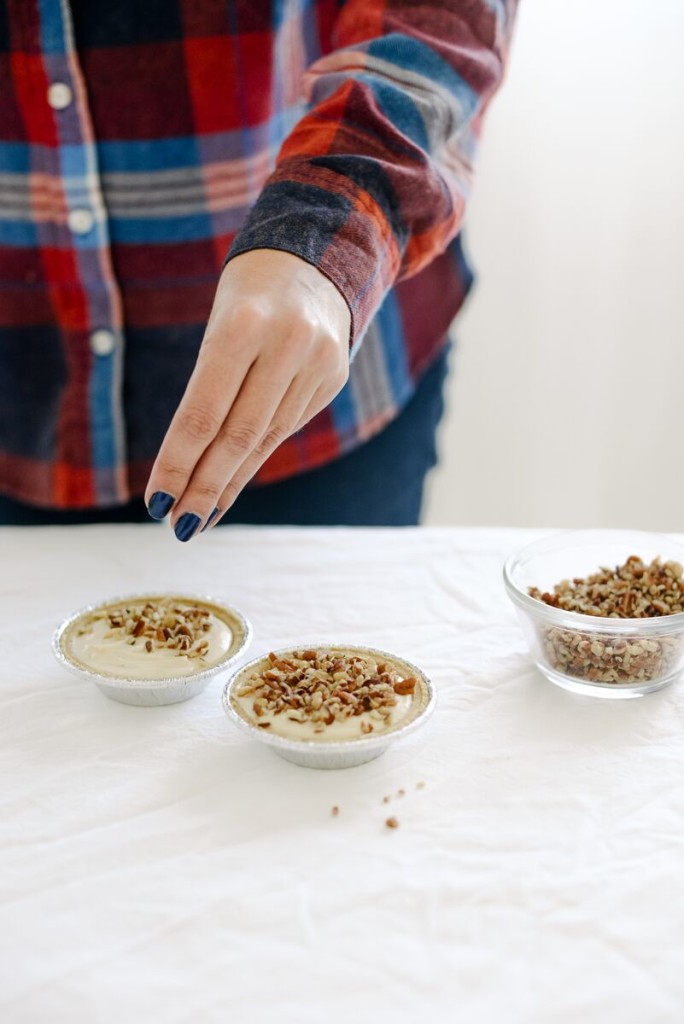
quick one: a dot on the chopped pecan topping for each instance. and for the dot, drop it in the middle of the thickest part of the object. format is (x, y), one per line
(630, 591)
(405, 686)
(322, 688)
(160, 625)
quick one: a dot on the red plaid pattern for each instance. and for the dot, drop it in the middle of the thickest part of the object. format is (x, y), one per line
(139, 144)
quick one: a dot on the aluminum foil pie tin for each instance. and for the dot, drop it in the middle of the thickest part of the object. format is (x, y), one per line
(162, 690)
(326, 754)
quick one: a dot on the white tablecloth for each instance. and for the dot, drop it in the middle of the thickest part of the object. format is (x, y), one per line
(157, 865)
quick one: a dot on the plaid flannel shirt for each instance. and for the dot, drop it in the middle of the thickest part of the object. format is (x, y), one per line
(142, 142)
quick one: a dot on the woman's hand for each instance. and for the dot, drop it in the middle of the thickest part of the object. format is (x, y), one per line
(275, 352)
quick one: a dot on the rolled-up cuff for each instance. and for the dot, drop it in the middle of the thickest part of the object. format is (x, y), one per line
(336, 230)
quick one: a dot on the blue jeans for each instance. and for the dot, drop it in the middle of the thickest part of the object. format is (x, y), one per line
(378, 484)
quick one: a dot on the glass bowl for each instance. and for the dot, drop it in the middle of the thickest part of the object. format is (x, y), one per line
(591, 654)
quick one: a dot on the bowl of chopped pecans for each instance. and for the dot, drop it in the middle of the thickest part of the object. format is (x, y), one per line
(328, 706)
(602, 610)
(152, 649)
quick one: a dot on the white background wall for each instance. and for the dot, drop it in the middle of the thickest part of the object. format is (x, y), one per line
(565, 402)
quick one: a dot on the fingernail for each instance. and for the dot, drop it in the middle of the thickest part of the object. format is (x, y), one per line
(210, 520)
(160, 504)
(186, 527)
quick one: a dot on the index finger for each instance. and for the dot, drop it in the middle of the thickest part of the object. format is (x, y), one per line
(213, 387)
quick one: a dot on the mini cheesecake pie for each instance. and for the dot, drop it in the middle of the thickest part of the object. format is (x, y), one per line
(150, 638)
(326, 695)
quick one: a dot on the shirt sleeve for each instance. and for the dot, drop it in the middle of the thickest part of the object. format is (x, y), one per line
(372, 182)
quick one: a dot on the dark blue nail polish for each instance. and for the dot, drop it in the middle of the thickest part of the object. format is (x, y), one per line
(160, 504)
(186, 527)
(210, 520)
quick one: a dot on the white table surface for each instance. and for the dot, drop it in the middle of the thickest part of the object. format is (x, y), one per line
(157, 865)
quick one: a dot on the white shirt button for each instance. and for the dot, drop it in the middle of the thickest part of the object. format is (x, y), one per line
(102, 342)
(80, 221)
(59, 95)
